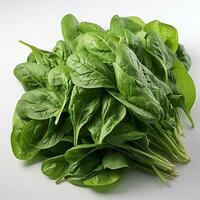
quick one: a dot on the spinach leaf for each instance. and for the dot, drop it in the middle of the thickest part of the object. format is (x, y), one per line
(55, 133)
(140, 113)
(118, 24)
(114, 160)
(185, 86)
(54, 167)
(87, 27)
(183, 56)
(32, 75)
(137, 20)
(111, 113)
(25, 135)
(124, 132)
(156, 47)
(137, 94)
(100, 46)
(79, 171)
(167, 32)
(62, 50)
(39, 104)
(69, 25)
(79, 152)
(104, 178)
(82, 107)
(88, 71)
(41, 56)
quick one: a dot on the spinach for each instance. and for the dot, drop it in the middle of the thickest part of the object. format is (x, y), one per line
(168, 33)
(32, 75)
(83, 105)
(183, 56)
(111, 113)
(100, 46)
(25, 136)
(156, 47)
(88, 27)
(102, 101)
(69, 25)
(54, 167)
(88, 71)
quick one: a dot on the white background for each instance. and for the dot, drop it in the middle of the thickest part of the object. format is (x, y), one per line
(38, 22)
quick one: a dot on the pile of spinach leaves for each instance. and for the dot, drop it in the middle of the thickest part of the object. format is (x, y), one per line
(103, 101)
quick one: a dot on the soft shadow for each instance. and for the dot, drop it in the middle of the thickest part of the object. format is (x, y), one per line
(133, 180)
(34, 160)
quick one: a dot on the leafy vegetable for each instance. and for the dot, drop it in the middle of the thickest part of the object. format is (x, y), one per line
(103, 101)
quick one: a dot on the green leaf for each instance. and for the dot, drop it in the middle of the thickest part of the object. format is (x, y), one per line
(54, 167)
(41, 56)
(122, 133)
(82, 107)
(156, 47)
(111, 113)
(167, 32)
(69, 25)
(87, 27)
(79, 152)
(55, 133)
(114, 160)
(185, 86)
(100, 46)
(140, 113)
(183, 56)
(137, 20)
(137, 94)
(62, 50)
(24, 137)
(31, 75)
(88, 71)
(39, 104)
(79, 171)
(104, 178)
(119, 24)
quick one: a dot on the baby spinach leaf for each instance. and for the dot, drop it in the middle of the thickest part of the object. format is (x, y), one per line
(140, 113)
(87, 27)
(39, 104)
(82, 107)
(114, 160)
(60, 82)
(118, 24)
(54, 167)
(104, 178)
(25, 135)
(80, 151)
(185, 86)
(41, 56)
(183, 56)
(88, 71)
(137, 20)
(62, 50)
(100, 46)
(55, 133)
(156, 47)
(124, 132)
(137, 94)
(79, 171)
(111, 113)
(168, 33)
(32, 75)
(69, 25)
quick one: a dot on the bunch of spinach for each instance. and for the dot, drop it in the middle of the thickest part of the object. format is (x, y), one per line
(103, 101)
